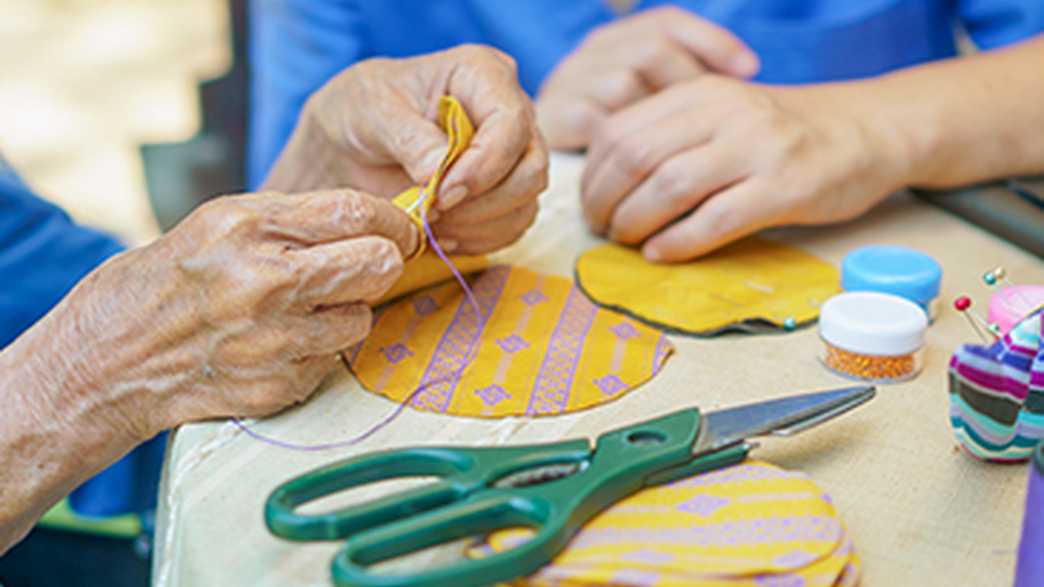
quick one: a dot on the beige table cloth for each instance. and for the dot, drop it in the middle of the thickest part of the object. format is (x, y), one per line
(919, 511)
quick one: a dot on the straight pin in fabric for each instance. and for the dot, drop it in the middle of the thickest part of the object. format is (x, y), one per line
(963, 304)
(1000, 274)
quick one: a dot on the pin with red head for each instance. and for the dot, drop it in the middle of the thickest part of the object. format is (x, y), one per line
(963, 305)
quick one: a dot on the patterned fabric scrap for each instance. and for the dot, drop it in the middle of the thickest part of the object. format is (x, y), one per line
(541, 348)
(752, 525)
(997, 393)
(754, 285)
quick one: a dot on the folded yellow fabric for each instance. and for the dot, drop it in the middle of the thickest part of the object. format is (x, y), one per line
(424, 268)
(752, 285)
(752, 524)
(540, 348)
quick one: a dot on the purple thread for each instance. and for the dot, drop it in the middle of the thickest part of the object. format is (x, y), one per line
(380, 424)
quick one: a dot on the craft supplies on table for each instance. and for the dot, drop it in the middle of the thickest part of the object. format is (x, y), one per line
(1029, 568)
(748, 525)
(997, 393)
(553, 489)
(894, 270)
(754, 285)
(872, 336)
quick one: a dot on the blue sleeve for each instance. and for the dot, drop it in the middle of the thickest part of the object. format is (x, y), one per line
(996, 23)
(295, 47)
(43, 254)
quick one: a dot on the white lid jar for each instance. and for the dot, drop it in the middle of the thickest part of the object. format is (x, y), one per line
(872, 336)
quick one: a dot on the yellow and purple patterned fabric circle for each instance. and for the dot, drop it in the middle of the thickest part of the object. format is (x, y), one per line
(540, 348)
(752, 524)
(997, 393)
(754, 285)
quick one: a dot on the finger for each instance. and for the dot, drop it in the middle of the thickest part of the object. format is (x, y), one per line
(331, 329)
(412, 140)
(569, 115)
(675, 188)
(488, 236)
(616, 173)
(342, 272)
(311, 372)
(505, 124)
(636, 120)
(525, 183)
(333, 215)
(728, 216)
(715, 46)
(661, 62)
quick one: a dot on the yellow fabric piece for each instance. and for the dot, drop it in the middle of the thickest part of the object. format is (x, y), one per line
(423, 267)
(751, 525)
(459, 131)
(542, 348)
(747, 285)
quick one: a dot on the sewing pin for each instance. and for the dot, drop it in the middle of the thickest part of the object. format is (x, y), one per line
(1000, 274)
(963, 304)
(789, 324)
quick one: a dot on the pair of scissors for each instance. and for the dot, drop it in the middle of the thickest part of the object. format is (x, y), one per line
(553, 489)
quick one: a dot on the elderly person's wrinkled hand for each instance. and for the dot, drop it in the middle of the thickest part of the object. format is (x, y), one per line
(373, 128)
(240, 310)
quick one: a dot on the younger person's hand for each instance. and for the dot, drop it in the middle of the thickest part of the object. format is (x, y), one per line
(622, 62)
(709, 161)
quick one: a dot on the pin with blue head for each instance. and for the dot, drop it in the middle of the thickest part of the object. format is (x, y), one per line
(1011, 303)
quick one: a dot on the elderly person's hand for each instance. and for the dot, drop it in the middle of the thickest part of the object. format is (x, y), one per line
(709, 161)
(630, 59)
(373, 128)
(241, 310)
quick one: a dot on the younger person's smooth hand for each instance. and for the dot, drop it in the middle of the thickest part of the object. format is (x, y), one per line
(629, 59)
(373, 128)
(710, 161)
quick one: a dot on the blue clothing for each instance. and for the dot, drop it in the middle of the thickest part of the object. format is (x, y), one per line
(43, 254)
(297, 45)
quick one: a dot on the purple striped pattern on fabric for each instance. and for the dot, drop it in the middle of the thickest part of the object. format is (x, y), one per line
(989, 376)
(550, 393)
(451, 355)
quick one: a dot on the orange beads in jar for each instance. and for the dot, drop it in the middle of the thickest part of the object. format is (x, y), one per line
(872, 336)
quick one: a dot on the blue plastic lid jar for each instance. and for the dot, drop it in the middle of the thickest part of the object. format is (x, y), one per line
(894, 270)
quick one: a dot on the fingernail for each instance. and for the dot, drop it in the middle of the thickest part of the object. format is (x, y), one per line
(448, 245)
(745, 64)
(653, 254)
(452, 197)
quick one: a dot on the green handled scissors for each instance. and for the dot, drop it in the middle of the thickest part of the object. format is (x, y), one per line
(553, 489)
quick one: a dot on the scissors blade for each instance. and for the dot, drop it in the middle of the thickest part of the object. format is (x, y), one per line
(780, 417)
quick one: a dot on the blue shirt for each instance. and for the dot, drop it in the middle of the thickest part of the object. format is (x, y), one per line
(297, 45)
(43, 254)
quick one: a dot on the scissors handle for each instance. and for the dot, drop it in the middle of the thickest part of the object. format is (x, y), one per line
(460, 472)
(466, 501)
